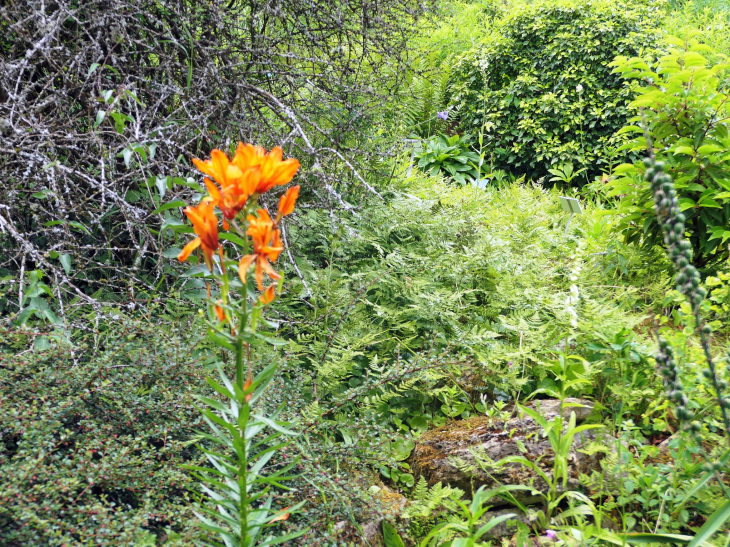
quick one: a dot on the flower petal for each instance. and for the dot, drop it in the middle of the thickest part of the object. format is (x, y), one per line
(188, 249)
(268, 295)
(244, 265)
(288, 201)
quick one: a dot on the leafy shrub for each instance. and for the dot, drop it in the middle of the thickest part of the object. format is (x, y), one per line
(93, 438)
(541, 89)
(684, 104)
(450, 156)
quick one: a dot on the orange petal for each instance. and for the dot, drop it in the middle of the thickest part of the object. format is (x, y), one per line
(285, 171)
(213, 191)
(188, 249)
(263, 266)
(288, 201)
(244, 265)
(226, 226)
(205, 167)
(220, 163)
(268, 296)
(220, 313)
(284, 516)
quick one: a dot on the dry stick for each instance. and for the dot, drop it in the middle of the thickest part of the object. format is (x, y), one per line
(293, 262)
(38, 257)
(22, 279)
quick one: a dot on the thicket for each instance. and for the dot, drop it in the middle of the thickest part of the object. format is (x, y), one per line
(104, 103)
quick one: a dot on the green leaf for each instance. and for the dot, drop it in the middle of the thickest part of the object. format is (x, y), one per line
(167, 206)
(65, 260)
(127, 155)
(662, 539)
(172, 252)
(401, 449)
(684, 150)
(391, 536)
(161, 184)
(710, 149)
(233, 238)
(41, 343)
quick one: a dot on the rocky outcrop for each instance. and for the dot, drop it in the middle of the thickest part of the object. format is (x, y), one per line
(446, 454)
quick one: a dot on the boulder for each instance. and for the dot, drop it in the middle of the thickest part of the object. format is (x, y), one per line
(446, 454)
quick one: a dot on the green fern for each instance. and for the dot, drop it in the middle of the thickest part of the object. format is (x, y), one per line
(427, 501)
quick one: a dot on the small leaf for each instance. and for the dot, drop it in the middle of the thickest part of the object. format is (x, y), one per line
(65, 260)
(41, 343)
(166, 206)
(161, 184)
(127, 155)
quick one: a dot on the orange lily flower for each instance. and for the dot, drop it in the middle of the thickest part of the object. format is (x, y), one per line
(205, 224)
(267, 247)
(273, 170)
(287, 202)
(236, 184)
(268, 296)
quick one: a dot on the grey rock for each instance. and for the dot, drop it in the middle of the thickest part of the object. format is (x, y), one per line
(446, 454)
(373, 533)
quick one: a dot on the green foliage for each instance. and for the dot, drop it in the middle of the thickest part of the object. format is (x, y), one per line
(541, 89)
(94, 435)
(450, 156)
(711, 17)
(426, 501)
(466, 528)
(239, 484)
(420, 106)
(480, 274)
(683, 101)
(561, 436)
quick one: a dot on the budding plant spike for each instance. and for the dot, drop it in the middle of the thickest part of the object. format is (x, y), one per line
(242, 441)
(687, 281)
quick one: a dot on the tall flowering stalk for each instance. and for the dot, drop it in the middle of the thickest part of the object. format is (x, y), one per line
(241, 441)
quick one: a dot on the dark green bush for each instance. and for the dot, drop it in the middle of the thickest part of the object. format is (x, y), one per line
(541, 89)
(93, 438)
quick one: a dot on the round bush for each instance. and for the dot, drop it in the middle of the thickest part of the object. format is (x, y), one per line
(540, 87)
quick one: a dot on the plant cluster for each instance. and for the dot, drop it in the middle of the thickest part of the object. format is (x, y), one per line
(94, 434)
(683, 102)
